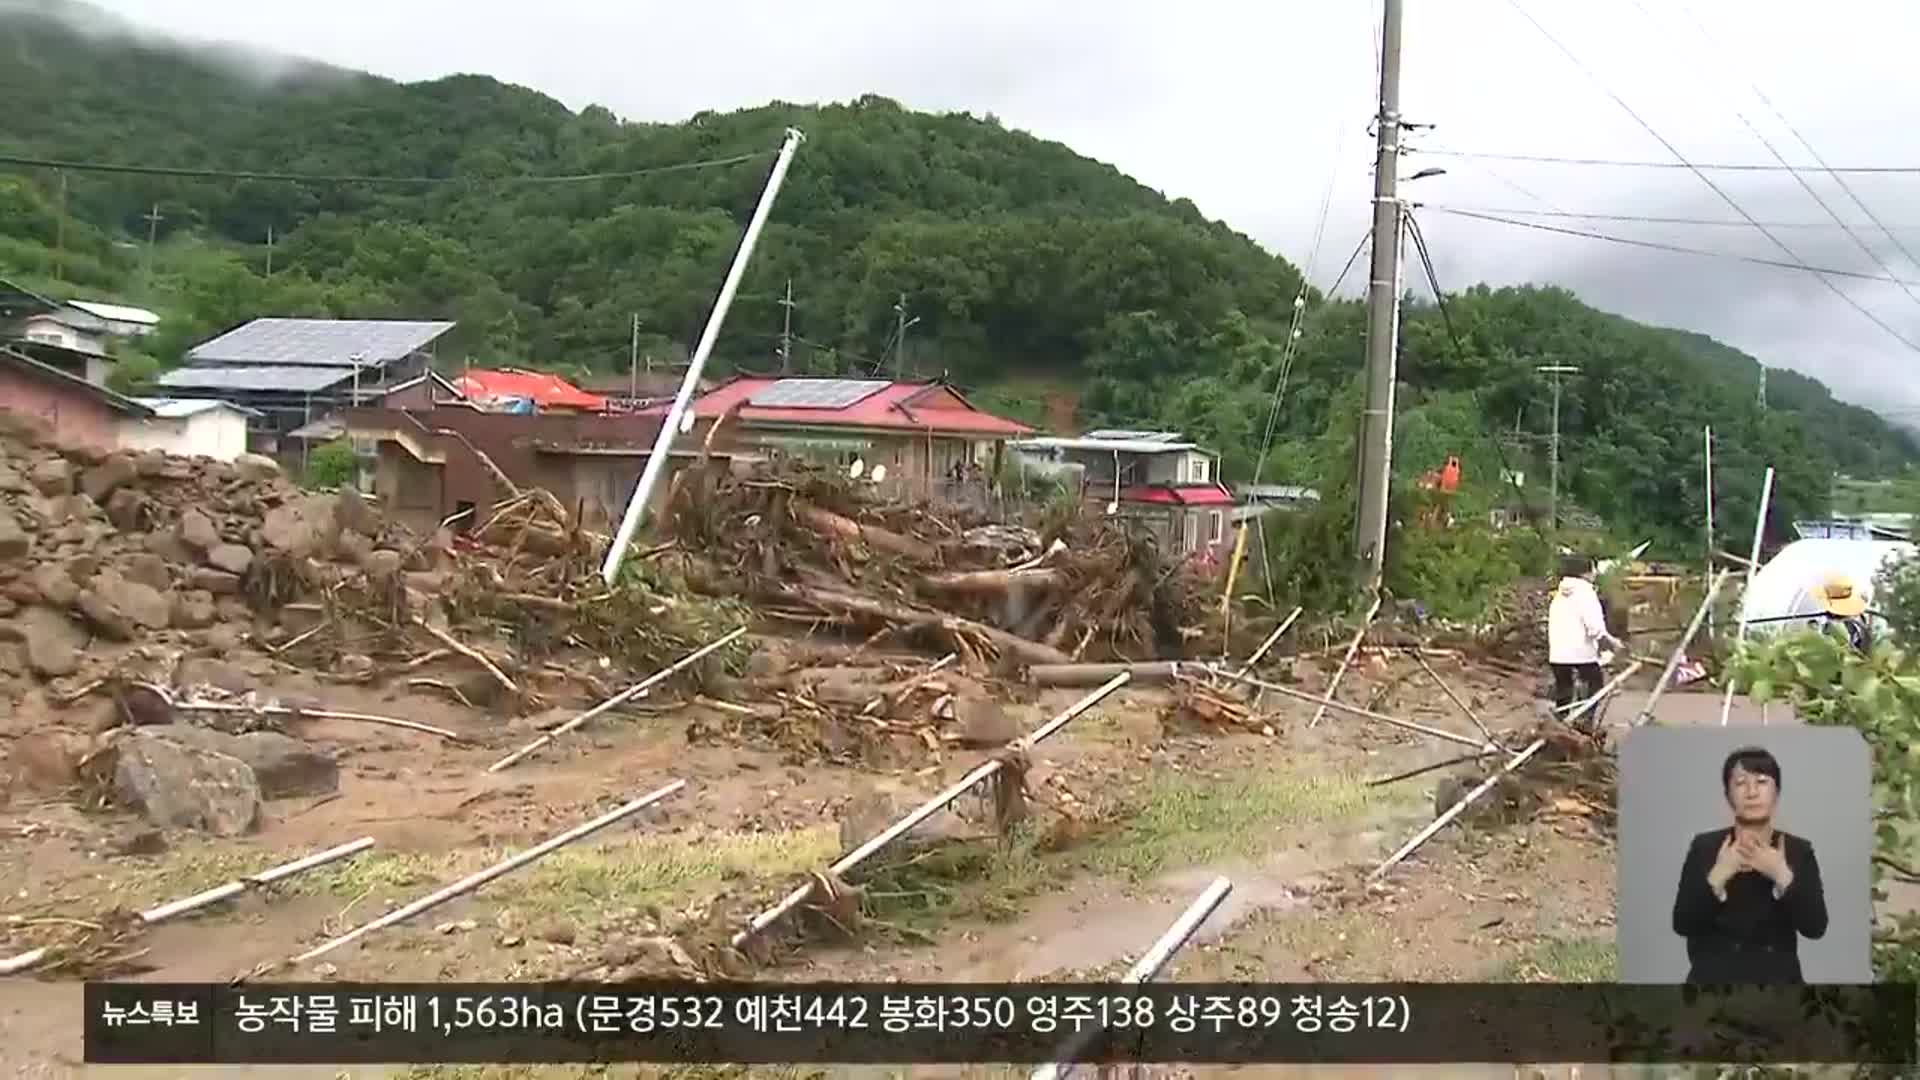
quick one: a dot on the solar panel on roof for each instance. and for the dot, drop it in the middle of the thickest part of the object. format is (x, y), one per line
(816, 393)
(298, 378)
(328, 342)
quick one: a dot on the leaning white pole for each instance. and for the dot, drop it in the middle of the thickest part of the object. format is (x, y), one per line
(1327, 702)
(1147, 966)
(639, 689)
(670, 428)
(212, 896)
(1746, 590)
(927, 809)
(473, 881)
(1486, 785)
(1260, 653)
(1680, 648)
(1346, 661)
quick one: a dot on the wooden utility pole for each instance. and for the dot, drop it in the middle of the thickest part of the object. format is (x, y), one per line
(1383, 310)
(269, 251)
(900, 337)
(60, 233)
(786, 332)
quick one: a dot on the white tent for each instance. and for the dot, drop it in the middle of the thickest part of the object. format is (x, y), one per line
(1790, 583)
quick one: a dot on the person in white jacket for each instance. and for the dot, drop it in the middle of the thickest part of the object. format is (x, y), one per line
(1576, 629)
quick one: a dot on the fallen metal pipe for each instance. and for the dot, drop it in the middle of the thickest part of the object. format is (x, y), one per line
(212, 896)
(915, 684)
(1486, 785)
(1451, 696)
(927, 809)
(1329, 703)
(1346, 662)
(264, 877)
(639, 689)
(1094, 674)
(1680, 649)
(473, 881)
(1145, 968)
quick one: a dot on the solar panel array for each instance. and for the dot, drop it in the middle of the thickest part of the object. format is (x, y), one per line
(294, 379)
(323, 342)
(816, 393)
(1134, 436)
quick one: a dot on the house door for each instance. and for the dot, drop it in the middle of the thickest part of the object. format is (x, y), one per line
(1191, 533)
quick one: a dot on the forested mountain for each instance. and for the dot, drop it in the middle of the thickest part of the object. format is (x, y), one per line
(1035, 274)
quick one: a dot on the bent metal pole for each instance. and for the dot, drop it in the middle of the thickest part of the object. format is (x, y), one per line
(639, 689)
(1145, 969)
(1680, 649)
(670, 427)
(473, 881)
(927, 809)
(1366, 714)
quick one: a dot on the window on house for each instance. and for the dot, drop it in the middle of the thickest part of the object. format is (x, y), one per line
(1197, 469)
(1218, 528)
(1192, 533)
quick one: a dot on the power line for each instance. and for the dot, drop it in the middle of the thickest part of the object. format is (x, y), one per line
(1618, 163)
(1714, 46)
(1707, 180)
(1648, 219)
(1822, 162)
(1656, 245)
(335, 178)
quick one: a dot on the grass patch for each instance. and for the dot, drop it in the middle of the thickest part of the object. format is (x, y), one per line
(1570, 960)
(582, 882)
(1184, 820)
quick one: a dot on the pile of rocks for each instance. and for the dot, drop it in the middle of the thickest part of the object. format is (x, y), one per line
(99, 550)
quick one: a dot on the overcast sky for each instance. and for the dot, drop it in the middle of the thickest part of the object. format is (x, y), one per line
(1253, 108)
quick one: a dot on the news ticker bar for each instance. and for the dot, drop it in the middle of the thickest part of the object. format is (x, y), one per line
(1027, 1023)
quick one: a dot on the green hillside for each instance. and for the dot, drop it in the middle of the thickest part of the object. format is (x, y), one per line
(1025, 264)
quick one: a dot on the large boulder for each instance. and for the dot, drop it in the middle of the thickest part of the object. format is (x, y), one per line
(231, 558)
(256, 467)
(53, 476)
(283, 767)
(181, 786)
(52, 641)
(105, 478)
(55, 585)
(119, 608)
(14, 541)
(197, 531)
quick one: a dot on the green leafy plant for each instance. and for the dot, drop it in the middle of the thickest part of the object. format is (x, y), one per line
(332, 466)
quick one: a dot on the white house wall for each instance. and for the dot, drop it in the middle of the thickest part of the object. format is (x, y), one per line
(220, 434)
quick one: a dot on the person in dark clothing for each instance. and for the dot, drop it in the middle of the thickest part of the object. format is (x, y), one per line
(1749, 892)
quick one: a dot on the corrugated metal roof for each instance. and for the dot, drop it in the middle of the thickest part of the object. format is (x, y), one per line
(180, 408)
(116, 312)
(1123, 446)
(326, 342)
(297, 379)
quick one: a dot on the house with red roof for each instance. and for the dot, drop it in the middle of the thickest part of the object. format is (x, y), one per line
(512, 390)
(1168, 484)
(928, 439)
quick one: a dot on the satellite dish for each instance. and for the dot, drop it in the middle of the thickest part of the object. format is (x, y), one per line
(879, 473)
(686, 422)
(858, 467)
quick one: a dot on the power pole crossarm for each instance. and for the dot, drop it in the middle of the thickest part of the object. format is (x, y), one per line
(1383, 310)
(670, 427)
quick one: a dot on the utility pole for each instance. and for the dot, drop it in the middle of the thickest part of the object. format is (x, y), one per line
(153, 234)
(786, 332)
(269, 251)
(1763, 388)
(1553, 451)
(633, 360)
(1383, 310)
(900, 338)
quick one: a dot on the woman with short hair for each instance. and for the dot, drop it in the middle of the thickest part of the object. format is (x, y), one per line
(1749, 892)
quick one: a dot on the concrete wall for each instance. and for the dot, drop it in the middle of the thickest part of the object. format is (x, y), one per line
(74, 416)
(51, 331)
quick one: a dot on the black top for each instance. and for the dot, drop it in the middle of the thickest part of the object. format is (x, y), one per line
(1751, 937)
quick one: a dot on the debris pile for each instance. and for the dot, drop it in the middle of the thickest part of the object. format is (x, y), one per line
(806, 544)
